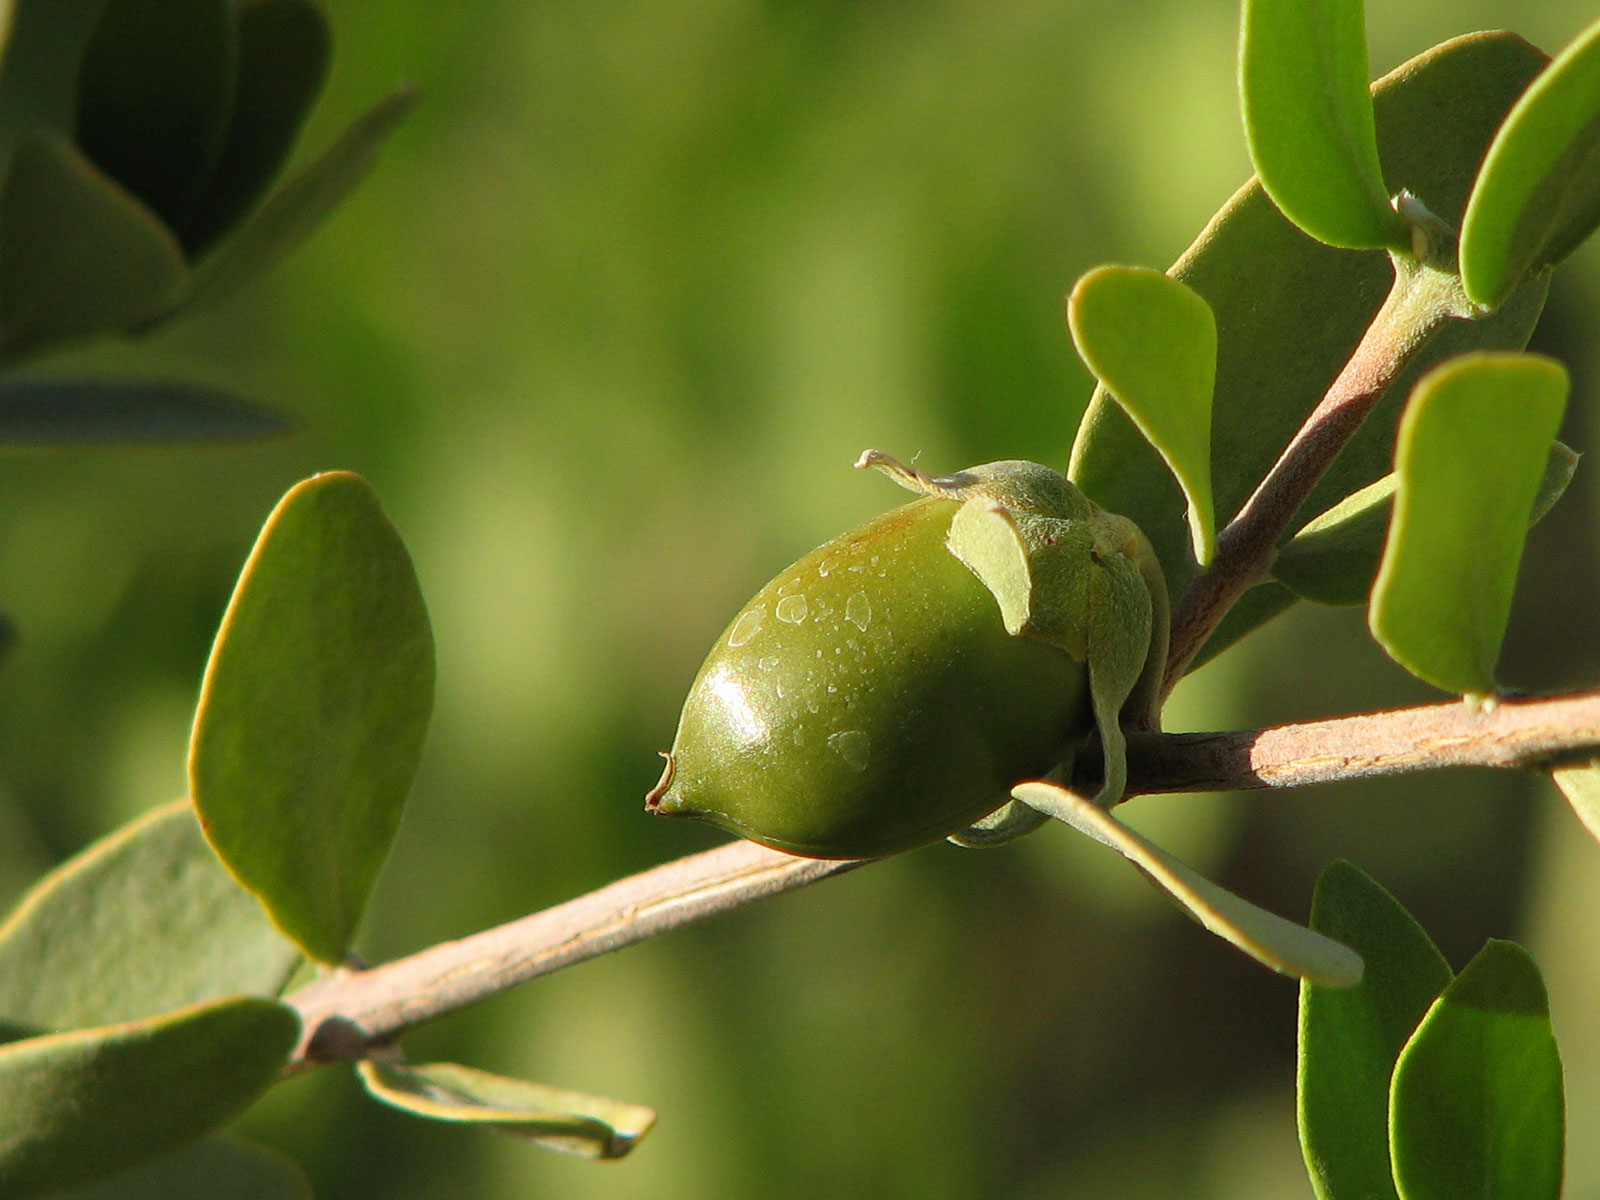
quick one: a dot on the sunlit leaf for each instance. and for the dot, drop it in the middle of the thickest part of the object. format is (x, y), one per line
(1538, 196)
(299, 205)
(1350, 1037)
(1308, 120)
(1334, 556)
(80, 1106)
(283, 52)
(37, 411)
(78, 255)
(142, 922)
(1152, 343)
(155, 93)
(1264, 936)
(218, 1168)
(1471, 453)
(1289, 310)
(591, 1126)
(1476, 1107)
(1580, 784)
(313, 710)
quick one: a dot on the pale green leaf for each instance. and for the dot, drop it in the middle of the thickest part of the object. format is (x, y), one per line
(591, 1126)
(1580, 784)
(1471, 454)
(313, 710)
(1151, 341)
(144, 921)
(1268, 938)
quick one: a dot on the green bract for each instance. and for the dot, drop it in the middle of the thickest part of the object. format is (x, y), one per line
(892, 686)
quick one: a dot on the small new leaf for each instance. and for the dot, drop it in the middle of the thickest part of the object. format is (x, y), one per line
(572, 1122)
(1471, 453)
(1537, 197)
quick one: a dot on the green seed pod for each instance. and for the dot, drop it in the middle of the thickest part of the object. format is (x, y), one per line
(891, 687)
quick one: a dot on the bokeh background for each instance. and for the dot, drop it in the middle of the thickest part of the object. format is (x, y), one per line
(624, 299)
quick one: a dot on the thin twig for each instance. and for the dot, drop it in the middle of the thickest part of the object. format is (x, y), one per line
(348, 1012)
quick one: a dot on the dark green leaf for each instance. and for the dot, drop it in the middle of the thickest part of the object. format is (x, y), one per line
(1289, 310)
(1309, 124)
(51, 412)
(591, 1126)
(284, 47)
(1334, 557)
(1476, 1107)
(215, 1169)
(1469, 460)
(1152, 343)
(1538, 196)
(313, 710)
(80, 1106)
(142, 922)
(155, 96)
(300, 205)
(78, 255)
(1350, 1037)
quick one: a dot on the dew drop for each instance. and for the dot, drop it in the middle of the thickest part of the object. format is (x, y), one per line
(858, 611)
(852, 745)
(746, 627)
(792, 609)
(767, 663)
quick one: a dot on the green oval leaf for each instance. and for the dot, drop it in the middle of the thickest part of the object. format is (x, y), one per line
(1151, 341)
(1476, 1106)
(155, 95)
(1334, 556)
(1264, 936)
(1350, 1037)
(78, 255)
(313, 710)
(1289, 310)
(144, 921)
(40, 411)
(1538, 196)
(1471, 453)
(1308, 120)
(83, 1105)
(300, 205)
(591, 1126)
(284, 47)
(218, 1168)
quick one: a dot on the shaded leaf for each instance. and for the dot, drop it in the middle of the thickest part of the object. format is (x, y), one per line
(1308, 120)
(155, 96)
(51, 412)
(1476, 1106)
(1469, 459)
(78, 255)
(1538, 196)
(1289, 310)
(1580, 784)
(1334, 556)
(300, 205)
(1264, 936)
(591, 1126)
(83, 1105)
(1350, 1037)
(313, 710)
(218, 1168)
(1152, 343)
(1119, 626)
(144, 921)
(283, 51)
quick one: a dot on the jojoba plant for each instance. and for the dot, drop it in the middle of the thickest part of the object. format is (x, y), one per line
(993, 654)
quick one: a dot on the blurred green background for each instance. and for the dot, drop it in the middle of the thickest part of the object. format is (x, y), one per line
(624, 299)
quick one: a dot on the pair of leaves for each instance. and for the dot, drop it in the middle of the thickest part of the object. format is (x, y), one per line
(1312, 136)
(141, 970)
(1416, 1086)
